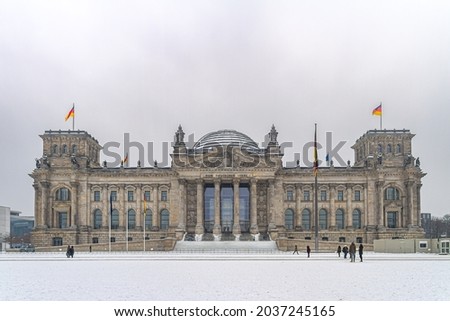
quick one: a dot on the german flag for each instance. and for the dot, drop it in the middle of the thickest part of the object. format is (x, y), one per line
(71, 113)
(377, 111)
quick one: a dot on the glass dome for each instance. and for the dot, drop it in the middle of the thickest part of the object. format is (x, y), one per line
(224, 138)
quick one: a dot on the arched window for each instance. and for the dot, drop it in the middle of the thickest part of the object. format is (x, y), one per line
(148, 220)
(63, 194)
(323, 219)
(131, 219)
(164, 219)
(356, 218)
(391, 194)
(289, 219)
(55, 149)
(64, 149)
(74, 149)
(380, 148)
(340, 218)
(399, 149)
(389, 149)
(306, 219)
(97, 219)
(115, 219)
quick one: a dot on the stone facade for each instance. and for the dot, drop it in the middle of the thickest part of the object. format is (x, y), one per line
(225, 188)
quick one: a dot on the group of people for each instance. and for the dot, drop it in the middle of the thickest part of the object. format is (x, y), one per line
(308, 250)
(346, 250)
(70, 251)
(351, 251)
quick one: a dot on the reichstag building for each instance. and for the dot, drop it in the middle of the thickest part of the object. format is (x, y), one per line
(225, 187)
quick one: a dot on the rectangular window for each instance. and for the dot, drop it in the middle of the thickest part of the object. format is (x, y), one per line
(323, 195)
(114, 196)
(392, 219)
(340, 195)
(130, 196)
(95, 240)
(96, 196)
(423, 244)
(163, 196)
(357, 195)
(306, 196)
(147, 196)
(290, 195)
(62, 219)
(57, 241)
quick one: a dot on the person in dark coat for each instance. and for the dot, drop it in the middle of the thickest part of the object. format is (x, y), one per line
(352, 251)
(360, 250)
(308, 250)
(68, 251)
(339, 251)
(345, 250)
(295, 250)
(72, 251)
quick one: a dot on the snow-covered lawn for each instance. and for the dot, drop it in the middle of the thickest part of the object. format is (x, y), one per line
(180, 276)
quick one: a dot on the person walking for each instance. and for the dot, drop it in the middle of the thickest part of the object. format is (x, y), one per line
(68, 251)
(72, 251)
(360, 250)
(345, 251)
(308, 250)
(295, 250)
(339, 251)
(352, 251)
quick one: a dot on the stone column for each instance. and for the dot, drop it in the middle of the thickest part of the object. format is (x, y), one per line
(381, 220)
(44, 204)
(199, 228)
(412, 208)
(253, 207)
(37, 207)
(121, 194)
(236, 208)
(182, 205)
(348, 210)
(217, 229)
(139, 211)
(74, 218)
(416, 216)
(155, 211)
(298, 207)
(332, 223)
(106, 211)
(270, 205)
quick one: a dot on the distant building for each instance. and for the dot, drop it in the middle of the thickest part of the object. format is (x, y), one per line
(225, 187)
(21, 225)
(426, 223)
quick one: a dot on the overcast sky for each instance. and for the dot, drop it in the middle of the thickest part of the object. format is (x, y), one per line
(144, 67)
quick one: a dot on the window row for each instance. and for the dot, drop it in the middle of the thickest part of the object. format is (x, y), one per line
(131, 196)
(389, 148)
(306, 219)
(323, 195)
(131, 219)
(64, 149)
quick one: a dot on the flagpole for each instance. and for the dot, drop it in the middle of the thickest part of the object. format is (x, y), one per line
(381, 116)
(73, 118)
(144, 229)
(126, 230)
(110, 219)
(316, 207)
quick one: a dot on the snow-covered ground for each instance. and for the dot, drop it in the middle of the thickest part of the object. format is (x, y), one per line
(258, 275)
